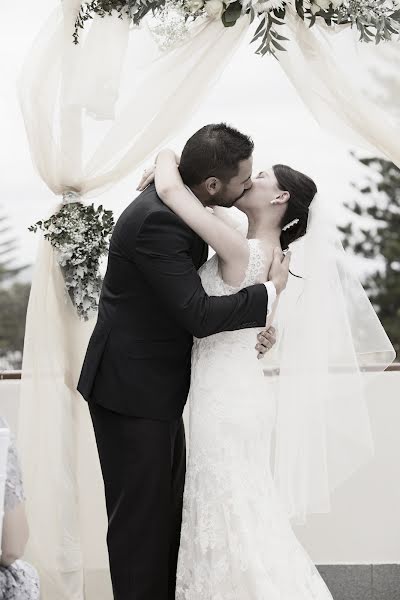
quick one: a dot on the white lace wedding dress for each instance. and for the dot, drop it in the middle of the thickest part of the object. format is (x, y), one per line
(237, 542)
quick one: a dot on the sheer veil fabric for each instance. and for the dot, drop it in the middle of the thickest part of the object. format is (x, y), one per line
(92, 116)
(328, 334)
(329, 331)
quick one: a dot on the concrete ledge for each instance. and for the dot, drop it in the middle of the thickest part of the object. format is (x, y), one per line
(345, 582)
(362, 582)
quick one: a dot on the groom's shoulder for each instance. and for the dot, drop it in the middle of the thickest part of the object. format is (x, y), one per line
(146, 203)
(148, 207)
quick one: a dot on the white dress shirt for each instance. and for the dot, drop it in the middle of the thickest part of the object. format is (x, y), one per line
(271, 291)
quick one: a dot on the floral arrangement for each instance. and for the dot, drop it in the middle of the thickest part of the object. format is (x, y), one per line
(375, 20)
(80, 236)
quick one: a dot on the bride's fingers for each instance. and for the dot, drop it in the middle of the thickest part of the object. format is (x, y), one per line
(277, 255)
(147, 178)
(286, 260)
(145, 181)
(140, 184)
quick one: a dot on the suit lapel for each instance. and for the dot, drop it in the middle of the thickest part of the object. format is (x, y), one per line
(204, 255)
(200, 251)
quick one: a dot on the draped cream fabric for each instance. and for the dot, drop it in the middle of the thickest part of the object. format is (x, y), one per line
(93, 113)
(341, 82)
(66, 92)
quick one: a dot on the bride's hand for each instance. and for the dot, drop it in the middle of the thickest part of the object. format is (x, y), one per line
(149, 174)
(147, 178)
(279, 271)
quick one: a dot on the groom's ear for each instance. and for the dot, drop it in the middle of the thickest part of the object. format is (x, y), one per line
(212, 185)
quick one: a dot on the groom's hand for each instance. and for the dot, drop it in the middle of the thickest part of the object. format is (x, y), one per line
(279, 271)
(265, 340)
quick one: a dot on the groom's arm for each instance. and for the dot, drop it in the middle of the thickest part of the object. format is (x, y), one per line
(163, 254)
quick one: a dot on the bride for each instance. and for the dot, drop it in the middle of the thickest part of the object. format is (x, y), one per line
(236, 540)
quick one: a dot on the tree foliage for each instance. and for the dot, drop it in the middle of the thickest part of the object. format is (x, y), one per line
(8, 247)
(374, 233)
(13, 300)
(13, 305)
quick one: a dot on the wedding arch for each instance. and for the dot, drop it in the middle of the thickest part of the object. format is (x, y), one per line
(75, 81)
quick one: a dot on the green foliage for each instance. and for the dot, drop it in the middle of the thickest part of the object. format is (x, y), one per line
(7, 253)
(267, 35)
(135, 10)
(13, 306)
(232, 14)
(374, 19)
(13, 300)
(79, 235)
(379, 239)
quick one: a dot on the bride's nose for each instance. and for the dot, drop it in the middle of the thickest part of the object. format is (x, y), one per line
(248, 184)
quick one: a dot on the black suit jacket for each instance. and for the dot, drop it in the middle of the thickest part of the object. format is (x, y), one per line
(151, 305)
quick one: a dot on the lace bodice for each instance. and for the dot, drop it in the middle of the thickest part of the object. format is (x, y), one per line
(213, 283)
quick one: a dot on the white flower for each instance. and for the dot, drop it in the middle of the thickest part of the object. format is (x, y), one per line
(86, 303)
(194, 5)
(214, 8)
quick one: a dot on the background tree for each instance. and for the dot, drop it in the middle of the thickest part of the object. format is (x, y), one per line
(13, 300)
(374, 233)
(8, 246)
(13, 305)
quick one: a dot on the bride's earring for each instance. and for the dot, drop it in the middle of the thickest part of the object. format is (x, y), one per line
(273, 201)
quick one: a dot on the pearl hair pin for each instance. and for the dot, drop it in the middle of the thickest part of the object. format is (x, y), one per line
(289, 225)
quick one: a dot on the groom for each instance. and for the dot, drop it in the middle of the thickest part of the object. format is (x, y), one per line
(136, 372)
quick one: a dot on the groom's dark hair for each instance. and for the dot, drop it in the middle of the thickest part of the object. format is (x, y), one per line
(214, 151)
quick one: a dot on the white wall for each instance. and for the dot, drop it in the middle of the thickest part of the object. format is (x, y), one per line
(364, 525)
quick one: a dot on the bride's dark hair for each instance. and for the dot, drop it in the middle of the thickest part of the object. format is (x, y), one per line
(302, 190)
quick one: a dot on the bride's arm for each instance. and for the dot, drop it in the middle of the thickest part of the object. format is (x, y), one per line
(231, 216)
(229, 244)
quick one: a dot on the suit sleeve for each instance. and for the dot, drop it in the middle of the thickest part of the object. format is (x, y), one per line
(163, 254)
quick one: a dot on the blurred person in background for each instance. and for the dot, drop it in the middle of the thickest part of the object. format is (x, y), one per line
(18, 579)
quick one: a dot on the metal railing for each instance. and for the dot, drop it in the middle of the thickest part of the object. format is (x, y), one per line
(7, 375)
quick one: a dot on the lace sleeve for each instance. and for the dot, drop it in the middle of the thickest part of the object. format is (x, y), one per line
(14, 493)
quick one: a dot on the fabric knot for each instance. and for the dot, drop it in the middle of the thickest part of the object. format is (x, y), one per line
(71, 196)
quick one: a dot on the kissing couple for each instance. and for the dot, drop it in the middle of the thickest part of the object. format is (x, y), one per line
(172, 325)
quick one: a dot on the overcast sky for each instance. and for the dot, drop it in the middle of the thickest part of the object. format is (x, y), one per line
(253, 94)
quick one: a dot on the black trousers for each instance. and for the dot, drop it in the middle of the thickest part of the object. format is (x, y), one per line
(143, 464)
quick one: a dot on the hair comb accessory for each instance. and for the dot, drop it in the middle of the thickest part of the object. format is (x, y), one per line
(291, 224)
